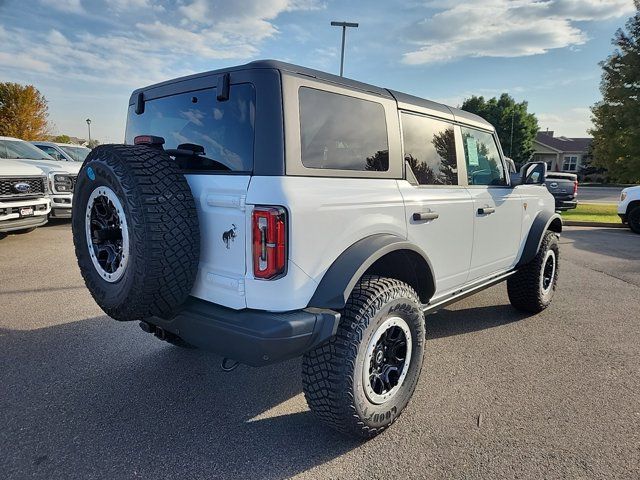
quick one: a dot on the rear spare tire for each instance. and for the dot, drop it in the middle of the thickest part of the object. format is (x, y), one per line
(135, 231)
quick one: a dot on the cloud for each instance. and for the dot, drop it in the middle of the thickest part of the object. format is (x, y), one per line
(68, 6)
(503, 28)
(572, 122)
(145, 47)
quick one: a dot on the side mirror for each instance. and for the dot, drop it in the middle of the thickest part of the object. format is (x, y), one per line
(533, 173)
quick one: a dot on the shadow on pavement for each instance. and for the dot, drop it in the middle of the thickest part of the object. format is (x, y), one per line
(447, 323)
(97, 399)
(613, 242)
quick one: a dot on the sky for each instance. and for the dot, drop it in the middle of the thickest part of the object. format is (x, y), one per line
(86, 56)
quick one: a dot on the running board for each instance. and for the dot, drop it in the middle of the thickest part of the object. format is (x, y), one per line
(465, 292)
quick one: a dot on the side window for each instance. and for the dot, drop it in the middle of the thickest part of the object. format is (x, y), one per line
(341, 132)
(430, 150)
(51, 151)
(484, 166)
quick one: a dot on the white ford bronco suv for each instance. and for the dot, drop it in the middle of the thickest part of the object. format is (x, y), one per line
(23, 202)
(268, 211)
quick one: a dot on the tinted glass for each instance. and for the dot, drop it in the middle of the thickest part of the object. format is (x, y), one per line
(225, 130)
(430, 150)
(51, 151)
(341, 132)
(20, 149)
(77, 153)
(484, 166)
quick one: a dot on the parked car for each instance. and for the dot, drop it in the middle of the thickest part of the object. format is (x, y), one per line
(61, 175)
(268, 211)
(564, 188)
(23, 201)
(63, 151)
(629, 208)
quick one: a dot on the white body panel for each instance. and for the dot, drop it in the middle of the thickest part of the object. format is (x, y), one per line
(497, 236)
(446, 240)
(220, 202)
(631, 194)
(327, 215)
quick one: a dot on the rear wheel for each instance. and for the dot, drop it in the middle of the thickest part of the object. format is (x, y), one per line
(633, 219)
(361, 380)
(532, 287)
(135, 231)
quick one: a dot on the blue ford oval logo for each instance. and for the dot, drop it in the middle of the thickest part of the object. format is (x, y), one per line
(22, 187)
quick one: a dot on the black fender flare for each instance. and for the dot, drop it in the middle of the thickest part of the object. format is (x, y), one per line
(544, 221)
(343, 274)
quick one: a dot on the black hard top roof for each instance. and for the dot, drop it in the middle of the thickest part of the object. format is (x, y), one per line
(400, 97)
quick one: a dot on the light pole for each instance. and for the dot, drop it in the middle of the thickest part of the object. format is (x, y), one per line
(344, 26)
(89, 127)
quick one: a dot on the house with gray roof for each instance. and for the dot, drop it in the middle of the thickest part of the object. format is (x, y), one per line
(562, 154)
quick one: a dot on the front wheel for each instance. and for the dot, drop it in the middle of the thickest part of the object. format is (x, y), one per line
(532, 287)
(361, 380)
(633, 219)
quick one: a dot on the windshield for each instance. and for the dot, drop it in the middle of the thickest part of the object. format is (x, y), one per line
(77, 153)
(17, 149)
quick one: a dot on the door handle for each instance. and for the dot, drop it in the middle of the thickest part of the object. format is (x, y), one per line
(422, 216)
(486, 210)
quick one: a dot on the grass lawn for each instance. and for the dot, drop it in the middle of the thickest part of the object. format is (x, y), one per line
(592, 212)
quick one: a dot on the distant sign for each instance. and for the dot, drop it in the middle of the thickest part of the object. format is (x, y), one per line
(472, 150)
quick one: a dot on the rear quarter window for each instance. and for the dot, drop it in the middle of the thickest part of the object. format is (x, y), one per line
(339, 132)
(224, 129)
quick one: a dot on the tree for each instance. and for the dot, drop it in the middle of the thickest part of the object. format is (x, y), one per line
(93, 143)
(502, 113)
(23, 112)
(62, 139)
(616, 118)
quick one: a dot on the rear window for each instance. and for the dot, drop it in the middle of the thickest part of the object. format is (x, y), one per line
(341, 132)
(224, 130)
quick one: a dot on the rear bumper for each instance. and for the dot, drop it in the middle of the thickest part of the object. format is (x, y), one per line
(566, 204)
(253, 337)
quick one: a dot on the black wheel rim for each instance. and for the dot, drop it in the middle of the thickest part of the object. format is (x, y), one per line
(107, 234)
(387, 360)
(548, 271)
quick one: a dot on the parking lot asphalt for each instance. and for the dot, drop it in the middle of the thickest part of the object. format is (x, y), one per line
(502, 395)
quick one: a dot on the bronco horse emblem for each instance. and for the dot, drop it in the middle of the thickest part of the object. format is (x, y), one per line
(229, 235)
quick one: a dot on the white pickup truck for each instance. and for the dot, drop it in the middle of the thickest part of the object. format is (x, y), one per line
(629, 207)
(23, 203)
(61, 175)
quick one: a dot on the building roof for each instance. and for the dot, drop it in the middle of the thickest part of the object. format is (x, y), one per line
(564, 144)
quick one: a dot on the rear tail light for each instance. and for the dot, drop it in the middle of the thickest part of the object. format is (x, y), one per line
(575, 188)
(269, 228)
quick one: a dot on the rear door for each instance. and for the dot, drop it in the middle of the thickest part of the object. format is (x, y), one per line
(497, 208)
(439, 212)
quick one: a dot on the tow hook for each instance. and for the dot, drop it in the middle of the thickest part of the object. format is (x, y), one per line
(229, 365)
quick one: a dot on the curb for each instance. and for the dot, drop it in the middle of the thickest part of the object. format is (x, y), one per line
(573, 223)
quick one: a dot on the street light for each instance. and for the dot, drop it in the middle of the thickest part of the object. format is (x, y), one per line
(344, 26)
(89, 127)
